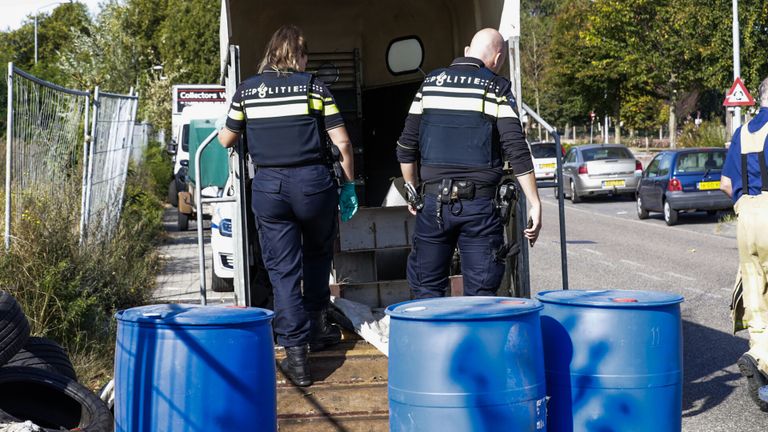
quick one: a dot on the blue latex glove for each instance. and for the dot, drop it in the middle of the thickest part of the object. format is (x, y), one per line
(347, 201)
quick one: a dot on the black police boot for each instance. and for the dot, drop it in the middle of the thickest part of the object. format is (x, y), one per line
(295, 365)
(755, 379)
(322, 334)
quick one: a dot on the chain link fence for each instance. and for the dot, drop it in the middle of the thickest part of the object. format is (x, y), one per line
(49, 158)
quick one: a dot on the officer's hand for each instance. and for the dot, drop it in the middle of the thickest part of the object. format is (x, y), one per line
(412, 210)
(347, 201)
(532, 232)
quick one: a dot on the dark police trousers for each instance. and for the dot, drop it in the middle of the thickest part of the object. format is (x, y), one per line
(296, 213)
(476, 228)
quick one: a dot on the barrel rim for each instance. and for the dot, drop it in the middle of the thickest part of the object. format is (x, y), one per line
(533, 306)
(621, 296)
(230, 317)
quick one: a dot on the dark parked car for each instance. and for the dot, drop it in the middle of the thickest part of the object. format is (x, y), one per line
(682, 180)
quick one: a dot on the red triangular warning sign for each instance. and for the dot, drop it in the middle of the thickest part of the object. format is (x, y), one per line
(738, 95)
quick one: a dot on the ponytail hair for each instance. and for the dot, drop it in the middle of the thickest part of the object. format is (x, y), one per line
(284, 50)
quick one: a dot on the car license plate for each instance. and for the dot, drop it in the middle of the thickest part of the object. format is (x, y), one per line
(547, 166)
(709, 185)
(613, 183)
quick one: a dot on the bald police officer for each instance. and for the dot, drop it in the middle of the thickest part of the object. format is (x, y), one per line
(460, 129)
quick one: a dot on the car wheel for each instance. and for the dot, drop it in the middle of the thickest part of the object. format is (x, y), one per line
(575, 197)
(183, 221)
(670, 214)
(220, 284)
(641, 212)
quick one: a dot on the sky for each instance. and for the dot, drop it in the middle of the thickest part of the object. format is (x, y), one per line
(13, 12)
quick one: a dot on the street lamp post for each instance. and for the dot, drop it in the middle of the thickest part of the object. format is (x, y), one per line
(37, 12)
(736, 62)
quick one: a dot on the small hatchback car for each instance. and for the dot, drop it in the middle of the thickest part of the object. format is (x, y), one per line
(683, 180)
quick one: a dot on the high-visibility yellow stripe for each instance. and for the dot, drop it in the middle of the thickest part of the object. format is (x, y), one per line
(236, 115)
(315, 104)
(316, 95)
(261, 112)
(330, 110)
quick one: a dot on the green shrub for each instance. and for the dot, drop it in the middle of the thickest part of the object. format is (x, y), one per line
(708, 134)
(158, 165)
(70, 292)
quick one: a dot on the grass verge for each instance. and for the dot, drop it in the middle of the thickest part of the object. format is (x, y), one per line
(69, 291)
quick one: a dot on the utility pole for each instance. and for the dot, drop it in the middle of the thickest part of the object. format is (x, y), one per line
(736, 63)
(37, 12)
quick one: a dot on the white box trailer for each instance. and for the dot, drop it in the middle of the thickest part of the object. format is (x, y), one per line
(373, 55)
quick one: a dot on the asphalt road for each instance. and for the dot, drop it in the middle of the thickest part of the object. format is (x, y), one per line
(609, 248)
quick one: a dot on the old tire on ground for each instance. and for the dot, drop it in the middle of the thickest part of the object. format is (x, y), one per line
(14, 327)
(52, 401)
(220, 284)
(44, 354)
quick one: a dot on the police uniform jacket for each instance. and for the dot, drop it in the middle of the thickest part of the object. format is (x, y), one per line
(284, 116)
(462, 124)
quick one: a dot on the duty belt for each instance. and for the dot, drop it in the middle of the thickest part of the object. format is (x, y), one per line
(460, 190)
(450, 191)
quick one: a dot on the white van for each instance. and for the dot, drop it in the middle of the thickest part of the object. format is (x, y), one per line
(186, 96)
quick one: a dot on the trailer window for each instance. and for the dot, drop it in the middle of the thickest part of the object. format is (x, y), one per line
(405, 55)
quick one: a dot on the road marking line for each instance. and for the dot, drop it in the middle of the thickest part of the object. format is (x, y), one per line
(632, 263)
(681, 276)
(643, 223)
(592, 251)
(649, 276)
(708, 294)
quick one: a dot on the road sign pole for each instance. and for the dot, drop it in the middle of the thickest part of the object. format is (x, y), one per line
(736, 62)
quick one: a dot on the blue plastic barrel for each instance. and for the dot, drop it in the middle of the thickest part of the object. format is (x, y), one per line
(614, 360)
(461, 364)
(186, 368)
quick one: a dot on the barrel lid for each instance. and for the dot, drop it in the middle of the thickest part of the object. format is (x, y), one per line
(185, 314)
(462, 308)
(610, 298)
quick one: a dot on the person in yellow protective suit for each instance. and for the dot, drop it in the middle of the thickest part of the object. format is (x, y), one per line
(745, 179)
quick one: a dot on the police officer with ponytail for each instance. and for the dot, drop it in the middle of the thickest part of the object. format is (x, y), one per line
(286, 114)
(461, 128)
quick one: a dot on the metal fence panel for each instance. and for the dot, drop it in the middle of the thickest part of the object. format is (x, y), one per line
(141, 137)
(110, 151)
(44, 145)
